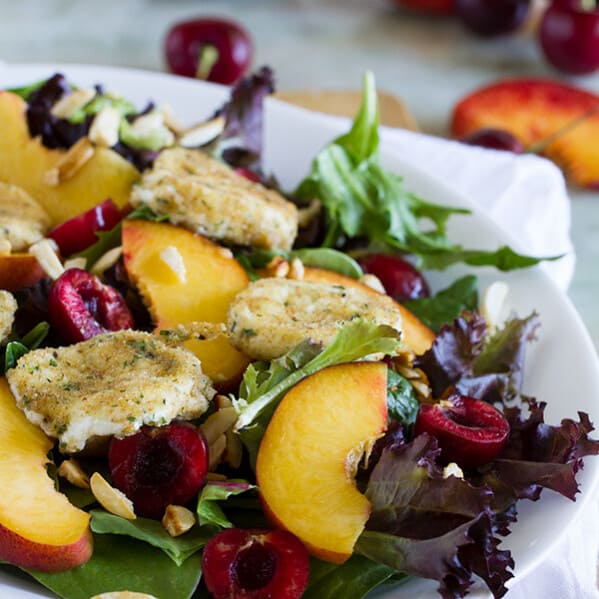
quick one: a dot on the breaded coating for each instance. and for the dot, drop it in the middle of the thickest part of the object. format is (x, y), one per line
(8, 309)
(22, 220)
(271, 316)
(111, 384)
(206, 196)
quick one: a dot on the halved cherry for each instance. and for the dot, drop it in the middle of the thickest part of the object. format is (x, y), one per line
(401, 280)
(78, 233)
(159, 466)
(248, 174)
(255, 564)
(81, 306)
(470, 432)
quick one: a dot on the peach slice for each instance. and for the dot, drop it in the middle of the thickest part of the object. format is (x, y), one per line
(532, 110)
(19, 270)
(208, 280)
(310, 452)
(39, 528)
(416, 335)
(24, 161)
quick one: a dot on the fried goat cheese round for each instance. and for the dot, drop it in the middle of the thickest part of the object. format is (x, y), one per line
(8, 309)
(22, 220)
(111, 384)
(207, 197)
(271, 316)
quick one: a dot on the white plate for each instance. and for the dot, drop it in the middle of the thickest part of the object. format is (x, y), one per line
(562, 367)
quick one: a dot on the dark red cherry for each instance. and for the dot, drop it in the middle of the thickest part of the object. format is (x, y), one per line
(569, 37)
(470, 432)
(218, 50)
(495, 139)
(79, 233)
(255, 564)
(492, 17)
(159, 466)
(401, 280)
(81, 306)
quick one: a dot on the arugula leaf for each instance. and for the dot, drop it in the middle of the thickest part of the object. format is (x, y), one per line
(35, 337)
(362, 199)
(264, 385)
(209, 510)
(155, 139)
(402, 404)
(353, 579)
(122, 563)
(98, 103)
(15, 349)
(26, 90)
(447, 304)
(153, 533)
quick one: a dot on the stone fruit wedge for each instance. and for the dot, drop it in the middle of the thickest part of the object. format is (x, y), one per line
(310, 453)
(208, 280)
(39, 528)
(416, 335)
(24, 162)
(532, 110)
(19, 270)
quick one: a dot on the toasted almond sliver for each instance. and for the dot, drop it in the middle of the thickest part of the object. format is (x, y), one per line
(278, 267)
(111, 499)
(46, 256)
(225, 252)
(216, 451)
(123, 595)
(222, 401)
(234, 452)
(493, 302)
(70, 163)
(177, 520)
(104, 130)
(75, 263)
(202, 133)
(310, 212)
(110, 258)
(373, 282)
(172, 258)
(68, 105)
(452, 469)
(296, 270)
(5, 247)
(170, 119)
(216, 424)
(72, 471)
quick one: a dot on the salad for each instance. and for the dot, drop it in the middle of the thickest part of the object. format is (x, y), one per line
(215, 388)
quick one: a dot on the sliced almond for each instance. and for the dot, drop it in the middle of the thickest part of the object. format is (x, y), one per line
(452, 469)
(216, 451)
(493, 302)
(46, 256)
(70, 163)
(172, 258)
(278, 267)
(234, 452)
(222, 401)
(225, 252)
(111, 499)
(170, 119)
(75, 263)
(110, 258)
(104, 130)
(5, 247)
(72, 471)
(296, 270)
(307, 214)
(68, 105)
(373, 282)
(202, 133)
(177, 520)
(216, 424)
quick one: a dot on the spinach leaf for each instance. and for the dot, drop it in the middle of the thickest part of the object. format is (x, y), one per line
(351, 580)
(15, 349)
(264, 384)
(209, 510)
(362, 199)
(122, 563)
(447, 304)
(153, 533)
(402, 404)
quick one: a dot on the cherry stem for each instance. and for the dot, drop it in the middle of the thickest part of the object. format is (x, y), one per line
(541, 145)
(207, 58)
(588, 5)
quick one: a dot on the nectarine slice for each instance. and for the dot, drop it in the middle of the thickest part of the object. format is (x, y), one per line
(203, 293)
(19, 270)
(24, 161)
(310, 452)
(416, 335)
(532, 110)
(39, 528)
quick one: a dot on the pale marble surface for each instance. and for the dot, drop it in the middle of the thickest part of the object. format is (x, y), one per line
(429, 62)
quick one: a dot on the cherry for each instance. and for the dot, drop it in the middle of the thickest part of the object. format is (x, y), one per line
(157, 467)
(430, 6)
(81, 307)
(217, 50)
(399, 278)
(569, 37)
(492, 17)
(470, 432)
(248, 174)
(496, 139)
(255, 564)
(78, 233)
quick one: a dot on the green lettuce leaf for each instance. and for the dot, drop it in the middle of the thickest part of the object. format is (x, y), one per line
(16, 348)
(152, 532)
(362, 199)
(209, 511)
(447, 304)
(402, 403)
